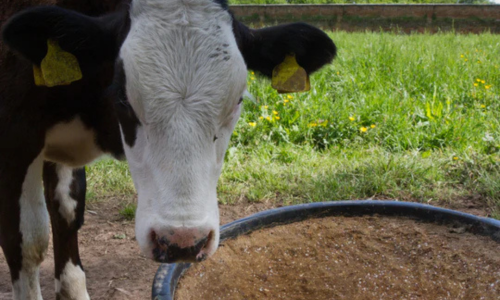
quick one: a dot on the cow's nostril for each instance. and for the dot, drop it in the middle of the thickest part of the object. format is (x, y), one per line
(210, 237)
(153, 236)
(160, 246)
(187, 245)
(156, 239)
(202, 255)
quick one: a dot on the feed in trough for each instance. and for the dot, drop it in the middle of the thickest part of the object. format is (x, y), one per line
(349, 258)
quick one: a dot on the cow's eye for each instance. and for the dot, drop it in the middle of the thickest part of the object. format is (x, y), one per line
(215, 138)
(241, 100)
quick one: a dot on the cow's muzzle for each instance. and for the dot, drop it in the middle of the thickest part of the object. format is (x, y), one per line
(182, 245)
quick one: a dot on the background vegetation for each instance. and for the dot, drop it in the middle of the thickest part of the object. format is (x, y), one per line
(412, 117)
(357, 1)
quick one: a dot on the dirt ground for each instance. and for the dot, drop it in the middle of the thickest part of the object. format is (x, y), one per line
(367, 257)
(112, 260)
(114, 266)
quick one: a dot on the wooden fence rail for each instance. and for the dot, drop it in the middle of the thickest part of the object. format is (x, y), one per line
(352, 17)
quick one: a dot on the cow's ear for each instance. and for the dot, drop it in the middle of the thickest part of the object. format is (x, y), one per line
(87, 38)
(264, 49)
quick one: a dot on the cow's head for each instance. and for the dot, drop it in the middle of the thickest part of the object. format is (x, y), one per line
(179, 78)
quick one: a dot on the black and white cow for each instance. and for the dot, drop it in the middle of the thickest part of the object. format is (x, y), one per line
(162, 86)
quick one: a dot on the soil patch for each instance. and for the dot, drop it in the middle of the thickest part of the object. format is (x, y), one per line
(114, 265)
(350, 258)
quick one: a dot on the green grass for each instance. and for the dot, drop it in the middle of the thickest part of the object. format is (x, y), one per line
(348, 174)
(232, 2)
(108, 178)
(395, 116)
(128, 211)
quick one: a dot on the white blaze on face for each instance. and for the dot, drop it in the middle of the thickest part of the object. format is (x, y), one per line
(184, 78)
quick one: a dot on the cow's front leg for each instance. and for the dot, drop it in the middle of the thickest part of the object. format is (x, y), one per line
(65, 195)
(24, 224)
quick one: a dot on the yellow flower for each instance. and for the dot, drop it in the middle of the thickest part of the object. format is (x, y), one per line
(277, 118)
(455, 158)
(373, 126)
(475, 84)
(286, 100)
(261, 117)
(289, 96)
(483, 106)
(488, 86)
(252, 124)
(338, 73)
(268, 118)
(312, 124)
(325, 123)
(275, 112)
(252, 72)
(482, 81)
(351, 118)
(461, 55)
(478, 61)
(466, 59)
(363, 129)
(478, 80)
(265, 106)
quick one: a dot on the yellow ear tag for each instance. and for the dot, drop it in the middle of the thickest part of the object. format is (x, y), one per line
(37, 72)
(289, 77)
(57, 68)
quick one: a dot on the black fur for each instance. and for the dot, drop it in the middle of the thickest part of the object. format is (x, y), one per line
(95, 42)
(126, 115)
(64, 235)
(222, 3)
(263, 49)
(83, 36)
(99, 99)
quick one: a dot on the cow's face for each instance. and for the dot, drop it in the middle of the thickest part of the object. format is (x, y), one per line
(186, 96)
(180, 73)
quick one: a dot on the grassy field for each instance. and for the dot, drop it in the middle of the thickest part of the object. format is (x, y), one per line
(232, 2)
(412, 117)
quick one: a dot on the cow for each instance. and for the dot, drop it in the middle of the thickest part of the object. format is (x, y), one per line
(159, 83)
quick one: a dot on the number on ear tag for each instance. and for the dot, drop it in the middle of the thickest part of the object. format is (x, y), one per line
(57, 68)
(289, 77)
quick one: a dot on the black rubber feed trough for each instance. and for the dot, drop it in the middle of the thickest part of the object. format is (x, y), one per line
(168, 275)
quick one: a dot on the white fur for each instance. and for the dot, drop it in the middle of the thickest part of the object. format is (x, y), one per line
(34, 227)
(67, 205)
(71, 144)
(185, 76)
(28, 286)
(72, 283)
